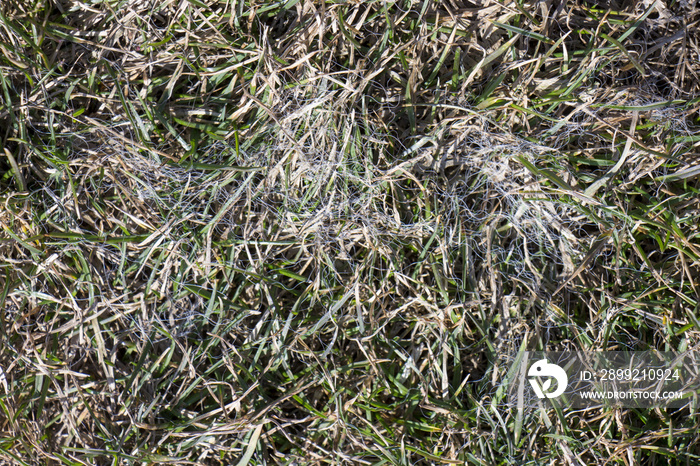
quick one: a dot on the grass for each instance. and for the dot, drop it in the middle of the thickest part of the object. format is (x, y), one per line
(314, 232)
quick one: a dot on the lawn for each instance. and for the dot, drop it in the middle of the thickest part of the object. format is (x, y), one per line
(318, 232)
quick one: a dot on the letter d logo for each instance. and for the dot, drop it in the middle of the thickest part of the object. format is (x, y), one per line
(543, 369)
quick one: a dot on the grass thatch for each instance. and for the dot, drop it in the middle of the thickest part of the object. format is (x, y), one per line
(314, 232)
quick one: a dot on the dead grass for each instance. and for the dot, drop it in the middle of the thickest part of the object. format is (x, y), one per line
(311, 232)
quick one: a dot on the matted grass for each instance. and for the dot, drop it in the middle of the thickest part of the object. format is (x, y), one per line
(315, 232)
